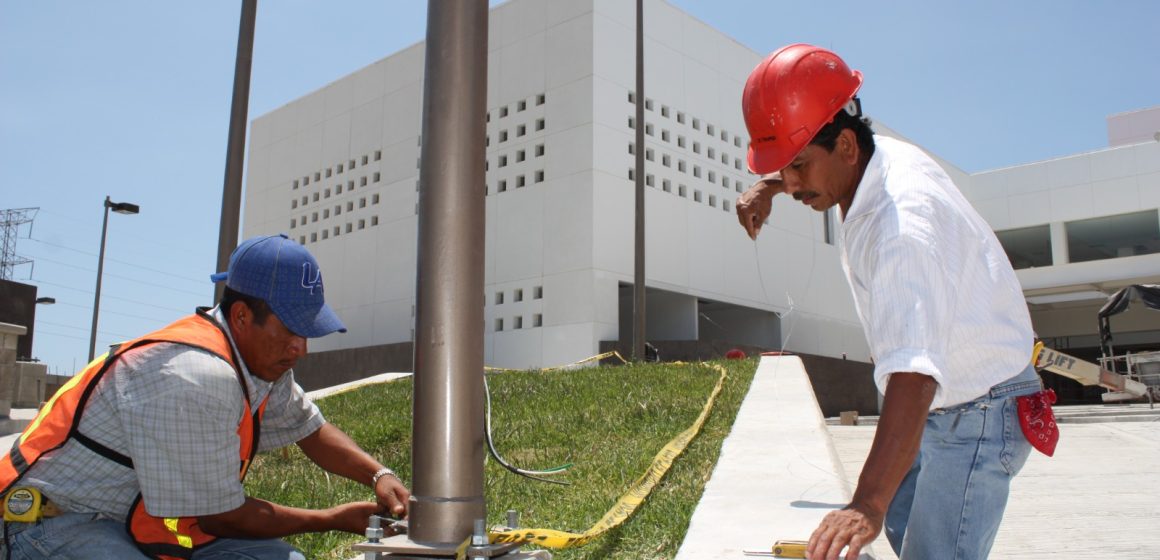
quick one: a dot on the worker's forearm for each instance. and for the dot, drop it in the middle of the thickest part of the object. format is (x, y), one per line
(331, 449)
(259, 519)
(896, 440)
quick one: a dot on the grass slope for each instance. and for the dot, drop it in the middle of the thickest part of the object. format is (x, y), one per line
(608, 421)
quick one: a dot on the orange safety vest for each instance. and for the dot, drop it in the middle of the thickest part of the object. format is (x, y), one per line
(59, 420)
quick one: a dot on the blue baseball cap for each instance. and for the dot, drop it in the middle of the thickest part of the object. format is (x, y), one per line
(282, 273)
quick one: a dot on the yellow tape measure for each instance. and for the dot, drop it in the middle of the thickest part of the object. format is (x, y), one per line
(23, 505)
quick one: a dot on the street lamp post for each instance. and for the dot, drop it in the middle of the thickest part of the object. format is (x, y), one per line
(120, 208)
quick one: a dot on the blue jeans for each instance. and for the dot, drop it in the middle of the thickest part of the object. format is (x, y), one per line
(88, 536)
(951, 501)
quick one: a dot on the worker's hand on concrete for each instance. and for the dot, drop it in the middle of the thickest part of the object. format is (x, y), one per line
(846, 527)
(755, 204)
(392, 495)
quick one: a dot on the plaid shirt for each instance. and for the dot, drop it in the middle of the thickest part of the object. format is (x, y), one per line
(175, 411)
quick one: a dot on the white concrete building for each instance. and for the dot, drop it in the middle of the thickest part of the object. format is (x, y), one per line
(338, 170)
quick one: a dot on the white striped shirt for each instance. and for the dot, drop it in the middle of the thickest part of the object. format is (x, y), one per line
(934, 290)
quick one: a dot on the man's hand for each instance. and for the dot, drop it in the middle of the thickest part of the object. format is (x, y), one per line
(353, 517)
(392, 495)
(850, 526)
(754, 206)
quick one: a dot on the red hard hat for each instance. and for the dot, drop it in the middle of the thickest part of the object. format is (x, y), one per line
(791, 95)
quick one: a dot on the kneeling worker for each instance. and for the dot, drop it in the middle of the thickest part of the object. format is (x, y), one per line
(142, 454)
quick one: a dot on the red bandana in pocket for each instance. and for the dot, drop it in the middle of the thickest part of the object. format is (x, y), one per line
(1038, 421)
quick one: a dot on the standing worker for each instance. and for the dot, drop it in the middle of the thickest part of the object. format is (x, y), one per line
(142, 454)
(942, 310)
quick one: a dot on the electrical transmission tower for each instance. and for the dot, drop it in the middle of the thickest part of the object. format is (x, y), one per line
(10, 221)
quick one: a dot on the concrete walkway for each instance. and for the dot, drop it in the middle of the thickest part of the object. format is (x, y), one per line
(778, 473)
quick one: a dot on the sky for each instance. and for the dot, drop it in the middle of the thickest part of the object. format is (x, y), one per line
(131, 99)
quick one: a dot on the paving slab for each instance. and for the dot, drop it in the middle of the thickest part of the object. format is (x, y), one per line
(778, 473)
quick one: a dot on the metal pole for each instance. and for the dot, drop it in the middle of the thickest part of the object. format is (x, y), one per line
(638, 300)
(97, 295)
(447, 455)
(236, 145)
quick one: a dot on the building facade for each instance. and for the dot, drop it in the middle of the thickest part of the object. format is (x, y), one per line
(338, 170)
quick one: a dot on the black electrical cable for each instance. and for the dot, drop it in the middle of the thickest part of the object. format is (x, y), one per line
(535, 475)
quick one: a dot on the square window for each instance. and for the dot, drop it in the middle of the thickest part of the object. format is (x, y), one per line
(306, 180)
(362, 224)
(362, 182)
(304, 201)
(340, 168)
(518, 294)
(538, 292)
(294, 204)
(503, 161)
(681, 165)
(317, 176)
(737, 141)
(709, 129)
(326, 193)
(537, 320)
(291, 223)
(295, 183)
(665, 135)
(301, 239)
(328, 172)
(713, 201)
(711, 153)
(326, 213)
(696, 196)
(648, 179)
(350, 164)
(725, 205)
(499, 298)
(724, 136)
(648, 154)
(503, 111)
(350, 206)
(374, 199)
(632, 148)
(313, 237)
(541, 99)
(499, 324)
(712, 176)
(648, 129)
(648, 104)
(315, 197)
(540, 176)
(632, 123)
(682, 191)
(540, 124)
(325, 233)
(521, 106)
(378, 155)
(680, 117)
(377, 176)
(503, 136)
(681, 141)
(365, 160)
(697, 171)
(338, 210)
(631, 174)
(667, 185)
(337, 231)
(350, 185)
(696, 124)
(539, 150)
(664, 110)
(521, 130)
(696, 147)
(666, 160)
(520, 156)
(518, 322)
(349, 227)
(631, 97)
(519, 181)
(502, 186)
(362, 202)
(338, 189)
(374, 220)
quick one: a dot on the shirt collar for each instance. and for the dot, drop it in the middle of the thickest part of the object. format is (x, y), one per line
(871, 185)
(252, 383)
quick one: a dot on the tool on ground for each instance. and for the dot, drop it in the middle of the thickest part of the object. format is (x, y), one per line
(783, 549)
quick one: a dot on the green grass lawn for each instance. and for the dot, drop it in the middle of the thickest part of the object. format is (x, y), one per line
(608, 421)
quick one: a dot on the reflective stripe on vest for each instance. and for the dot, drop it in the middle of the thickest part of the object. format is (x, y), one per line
(60, 418)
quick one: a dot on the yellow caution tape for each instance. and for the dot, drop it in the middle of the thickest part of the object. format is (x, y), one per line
(631, 499)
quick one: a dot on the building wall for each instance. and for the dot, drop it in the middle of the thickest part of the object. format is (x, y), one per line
(338, 170)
